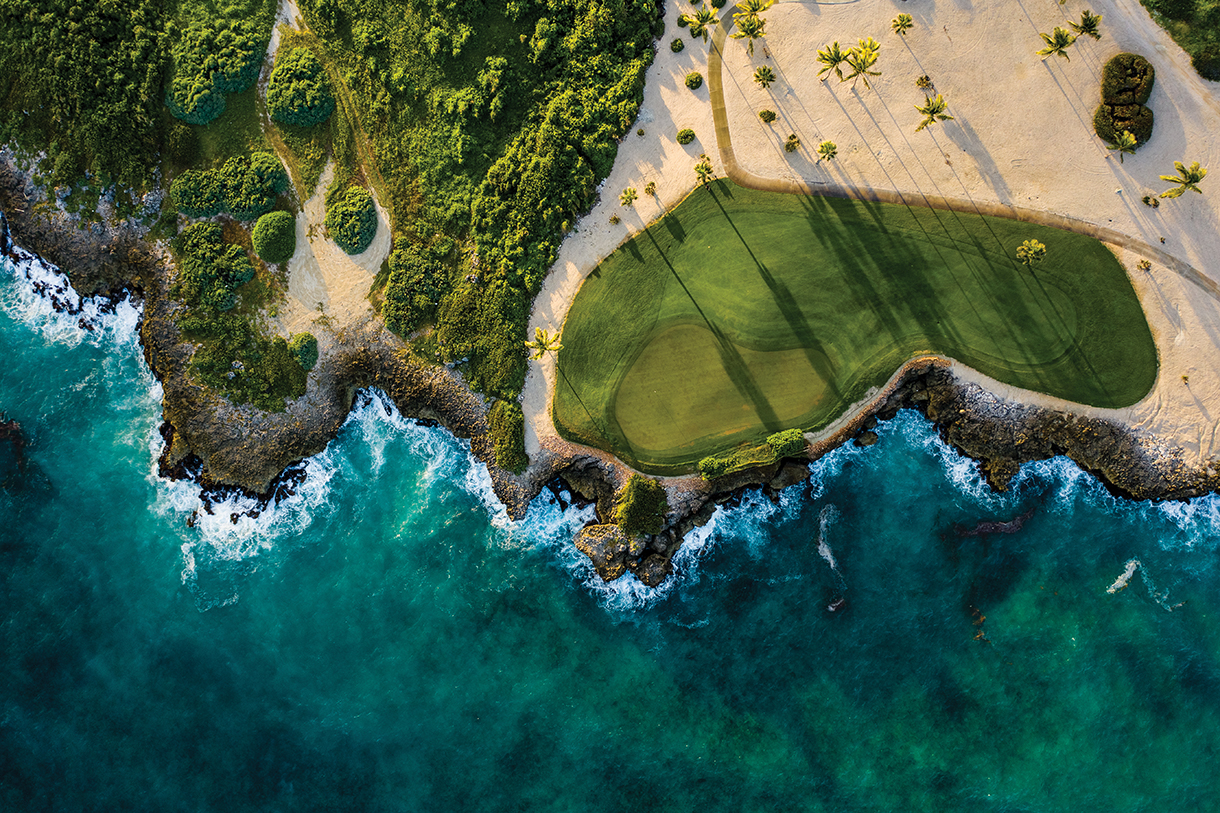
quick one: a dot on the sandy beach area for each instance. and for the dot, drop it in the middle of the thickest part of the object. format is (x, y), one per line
(1022, 136)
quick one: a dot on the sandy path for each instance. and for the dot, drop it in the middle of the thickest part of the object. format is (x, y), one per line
(997, 156)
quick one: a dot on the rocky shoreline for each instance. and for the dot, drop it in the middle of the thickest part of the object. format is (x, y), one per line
(229, 448)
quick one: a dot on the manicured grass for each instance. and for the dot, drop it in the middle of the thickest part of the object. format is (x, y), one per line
(742, 313)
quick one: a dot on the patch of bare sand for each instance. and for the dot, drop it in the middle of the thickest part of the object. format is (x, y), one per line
(327, 288)
(1022, 136)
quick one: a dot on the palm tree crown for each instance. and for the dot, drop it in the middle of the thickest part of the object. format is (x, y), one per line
(902, 24)
(1088, 24)
(831, 58)
(752, 8)
(703, 170)
(764, 76)
(933, 111)
(1124, 143)
(750, 28)
(1188, 177)
(1057, 43)
(543, 343)
(861, 58)
(827, 150)
(701, 22)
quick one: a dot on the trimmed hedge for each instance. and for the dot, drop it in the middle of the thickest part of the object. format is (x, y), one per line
(299, 91)
(197, 193)
(641, 506)
(351, 220)
(275, 237)
(788, 443)
(508, 435)
(418, 278)
(694, 80)
(677, 46)
(304, 348)
(686, 136)
(1126, 84)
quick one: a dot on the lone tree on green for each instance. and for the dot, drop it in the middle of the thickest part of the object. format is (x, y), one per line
(933, 111)
(902, 24)
(764, 76)
(1030, 252)
(299, 92)
(1057, 43)
(351, 220)
(1188, 177)
(275, 237)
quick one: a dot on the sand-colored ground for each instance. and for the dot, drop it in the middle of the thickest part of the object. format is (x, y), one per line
(1022, 136)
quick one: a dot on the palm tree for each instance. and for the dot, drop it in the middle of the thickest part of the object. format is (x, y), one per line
(1030, 252)
(1088, 24)
(543, 343)
(1187, 178)
(650, 188)
(902, 24)
(764, 76)
(1056, 43)
(827, 151)
(704, 170)
(1124, 143)
(861, 58)
(831, 58)
(628, 197)
(752, 8)
(750, 28)
(701, 22)
(933, 111)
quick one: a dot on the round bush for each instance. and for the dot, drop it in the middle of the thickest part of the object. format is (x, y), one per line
(686, 136)
(197, 193)
(677, 45)
(718, 3)
(252, 185)
(275, 237)
(352, 220)
(767, 116)
(682, 21)
(694, 80)
(1127, 79)
(304, 348)
(299, 91)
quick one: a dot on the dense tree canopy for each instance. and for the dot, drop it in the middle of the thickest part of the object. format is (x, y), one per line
(212, 59)
(252, 184)
(210, 270)
(417, 281)
(351, 219)
(299, 92)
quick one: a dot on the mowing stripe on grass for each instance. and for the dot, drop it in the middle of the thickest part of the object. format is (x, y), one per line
(743, 312)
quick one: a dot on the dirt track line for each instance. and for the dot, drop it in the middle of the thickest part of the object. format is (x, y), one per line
(743, 177)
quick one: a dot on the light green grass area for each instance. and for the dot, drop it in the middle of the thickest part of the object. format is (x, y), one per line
(742, 313)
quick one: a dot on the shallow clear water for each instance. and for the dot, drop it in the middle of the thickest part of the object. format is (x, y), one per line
(386, 639)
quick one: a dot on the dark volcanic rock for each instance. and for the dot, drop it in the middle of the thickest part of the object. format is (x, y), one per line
(608, 548)
(653, 569)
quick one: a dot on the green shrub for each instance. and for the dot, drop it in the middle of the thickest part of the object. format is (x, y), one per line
(304, 348)
(718, 3)
(299, 92)
(1207, 62)
(1127, 79)
(683, 22)
(677, 45)
(351, 220)
(686, 136)
(789, 443)
(209, 270)
(792, 144)
(197, 193)
(1126, 84)
(486, 322)
(275, 237)
(712, 467)
(767, 116)
(417, 279)
(694, 80)
(213, 59)
(252, 184)
(508, 435)
(641, 506)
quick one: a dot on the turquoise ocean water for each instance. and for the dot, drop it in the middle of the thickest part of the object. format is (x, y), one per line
(385, 639)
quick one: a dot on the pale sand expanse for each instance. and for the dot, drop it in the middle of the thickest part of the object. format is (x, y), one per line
(1022, 136)
(320, 273)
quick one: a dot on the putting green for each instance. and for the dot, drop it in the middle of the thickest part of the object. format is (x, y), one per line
(742, 313)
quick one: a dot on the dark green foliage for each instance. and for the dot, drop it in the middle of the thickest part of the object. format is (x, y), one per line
(1195, 26)
(788, 443)
(1206, 61)
(304, 348)
(213, 58)
(197, 193)
(767, 116)
(677, 46)
(299, 92)
(1127, 79)
(418, 278)
(275, 237)
(717, 3)
(182, 145)
(694, 80)
(252, 184)
(351, 219)
(486, 321)
(641, 506)
(209, 270)
(507, 426)
(686, 136)
(1126, 83)
(83, 81)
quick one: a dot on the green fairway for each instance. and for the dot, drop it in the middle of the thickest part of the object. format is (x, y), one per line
(742, 313)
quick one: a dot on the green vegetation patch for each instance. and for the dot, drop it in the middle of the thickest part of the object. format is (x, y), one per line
(1194, 25)
(508, 435)
(244, 187)
(1126, 84)
(219, 51)
(351, 219)
(744, 313)
(304, 348)
(275, 237)
(417, 281)
(788, 443)
(298, 92)
(641, 506)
